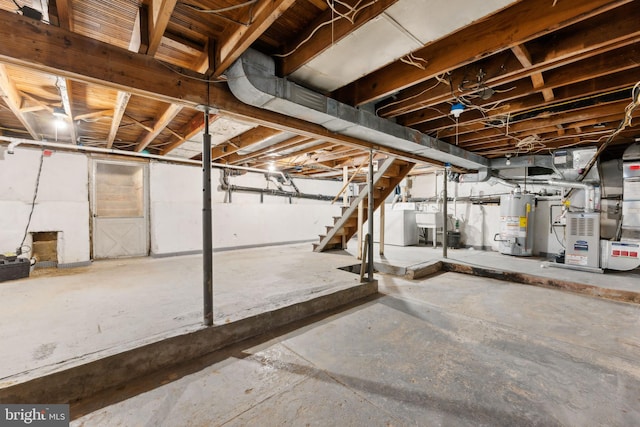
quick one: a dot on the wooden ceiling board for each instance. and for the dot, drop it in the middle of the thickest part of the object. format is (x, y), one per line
(293, 21)
(112, 23)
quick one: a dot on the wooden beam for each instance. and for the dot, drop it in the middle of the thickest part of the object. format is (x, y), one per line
(122, 100)
(38, 46)
(65, 14)
(238, 38)
(523, 55)
(568, 84)
(140, 35)
(290, 143)
(613, 30)
(322, 33)
(512, 26)
(163, 119)
(160, 12)
(292, 156)
(191, 129)
(613, 70)
(65, 88)
(13, 99)
(206, 61)
(93, 115)
(247, 139)
(526, 127)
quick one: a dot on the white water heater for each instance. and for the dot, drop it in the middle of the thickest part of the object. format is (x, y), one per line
(516, 224)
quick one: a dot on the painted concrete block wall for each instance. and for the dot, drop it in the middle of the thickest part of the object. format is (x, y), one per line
(176, 211)
(62, 204)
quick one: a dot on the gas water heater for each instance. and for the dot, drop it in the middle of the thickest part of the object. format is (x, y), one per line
(516, 224)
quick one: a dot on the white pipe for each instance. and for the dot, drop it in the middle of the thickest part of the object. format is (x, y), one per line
(589, 191)
(14, 142)
(496, 180)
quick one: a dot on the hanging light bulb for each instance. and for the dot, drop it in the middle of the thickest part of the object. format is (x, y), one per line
(457, 109)
(60, 117)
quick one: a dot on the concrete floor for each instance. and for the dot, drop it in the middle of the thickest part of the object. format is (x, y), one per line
(452, 350)
(448, 350)
(61, 318)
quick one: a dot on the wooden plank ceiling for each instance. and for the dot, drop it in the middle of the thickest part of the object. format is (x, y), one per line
(534, 76)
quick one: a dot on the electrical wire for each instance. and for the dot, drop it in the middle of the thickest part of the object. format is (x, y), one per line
(33, 201)
(219, 80)
(218, 12)
(415, 61)
(626, 121)
(350, 16)
(222, 9)
(438, 81)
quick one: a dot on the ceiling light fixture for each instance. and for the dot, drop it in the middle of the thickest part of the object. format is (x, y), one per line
(59, 112)
(457, 109)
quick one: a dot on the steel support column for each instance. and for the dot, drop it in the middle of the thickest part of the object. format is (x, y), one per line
(445, 209)
(207, 229)
(370, 218)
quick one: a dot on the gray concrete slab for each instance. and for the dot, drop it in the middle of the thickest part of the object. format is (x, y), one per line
(59, 318)
(402, 257)
(447, 350)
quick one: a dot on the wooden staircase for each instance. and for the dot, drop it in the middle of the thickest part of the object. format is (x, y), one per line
(390, 172)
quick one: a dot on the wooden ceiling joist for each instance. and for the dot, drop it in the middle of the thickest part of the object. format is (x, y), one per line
(161, 122)
(247, 139)
(122, 99)
(238, 38)
(512, 26)
(191, 129)
(289, 144)
(612, 30)
(13, 99)
(159, 15)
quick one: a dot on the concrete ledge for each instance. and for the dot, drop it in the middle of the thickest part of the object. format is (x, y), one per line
(75, 383)
(545, 282)
(426, 269)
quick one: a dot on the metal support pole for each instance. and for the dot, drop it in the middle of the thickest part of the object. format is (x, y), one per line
(207, 229)
(370, 218)
(381, 248)
(445, 210)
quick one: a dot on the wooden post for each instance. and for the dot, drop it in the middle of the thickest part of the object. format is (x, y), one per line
(360, 221)
(345, 179)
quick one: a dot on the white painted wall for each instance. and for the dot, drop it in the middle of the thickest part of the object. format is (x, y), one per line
(175, 207)
(176, 211)
(479, 223)
(62, 204)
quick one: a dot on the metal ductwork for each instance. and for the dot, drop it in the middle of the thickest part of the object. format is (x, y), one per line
(483, 175)
(253, 81)
(522, 161)
(589, 191)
